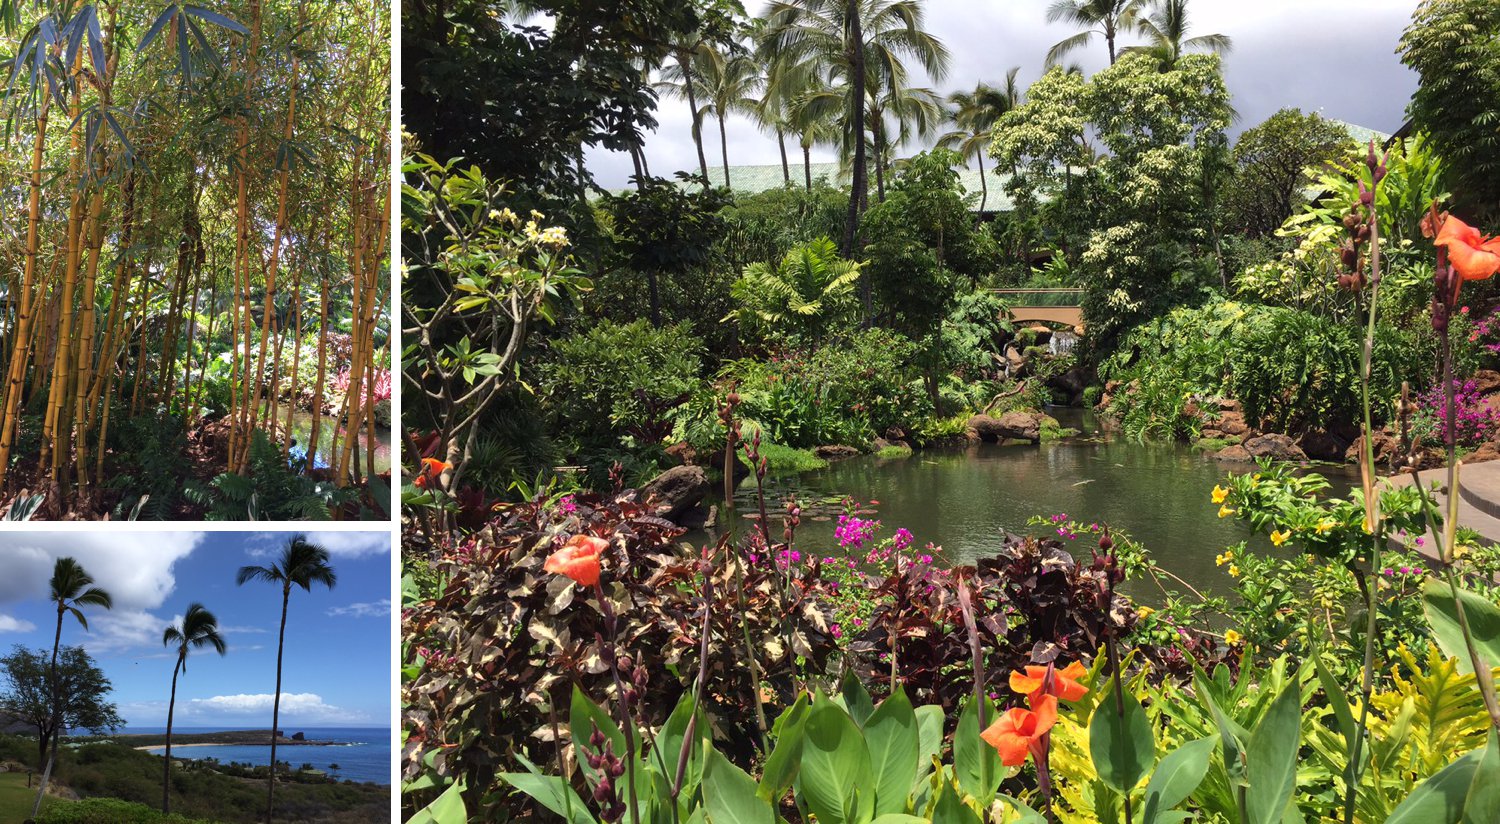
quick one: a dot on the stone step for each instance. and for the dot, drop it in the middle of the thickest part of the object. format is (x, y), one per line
(1479, 485)
(1480, 519)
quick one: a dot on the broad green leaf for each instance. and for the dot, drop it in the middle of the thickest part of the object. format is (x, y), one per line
(900, 818)
(1121, 743)
(1025, 814)
(1272, 758)
(1337, 700)
(892, 738)
(929, 737)
(836, 780)
(667, 750)
(1483, 803)
(976, 763)
(950, 808)
(1440, 799)
(1176, 777)
(1229, 735)
(583, 716)
(781, 767)
(1483, 618)
(856, 698)
(729, 794)
(550, 791)
(447, 808)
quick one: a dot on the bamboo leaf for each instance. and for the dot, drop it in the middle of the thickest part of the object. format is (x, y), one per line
(215, 18)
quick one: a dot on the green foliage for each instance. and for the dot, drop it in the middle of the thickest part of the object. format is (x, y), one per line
(110, 811)
(765, 226)
(1414, 180)
(1454, 47)
(621, 378)
(784, 460)
(269, 490)
(801, 300)
(1291, 369)
(1275, 162)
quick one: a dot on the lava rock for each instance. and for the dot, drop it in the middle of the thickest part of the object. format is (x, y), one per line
(1235, 453)
(835, 452)
(677, 490)
(1323, 446)
(1232, 423)
(1020, 426)
(1276, 447)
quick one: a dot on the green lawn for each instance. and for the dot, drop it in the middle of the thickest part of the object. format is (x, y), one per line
(16, 798)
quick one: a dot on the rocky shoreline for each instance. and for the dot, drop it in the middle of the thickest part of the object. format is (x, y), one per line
(252, 738)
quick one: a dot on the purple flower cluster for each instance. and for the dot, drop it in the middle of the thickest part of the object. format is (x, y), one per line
(854, 533)
(1473, 420)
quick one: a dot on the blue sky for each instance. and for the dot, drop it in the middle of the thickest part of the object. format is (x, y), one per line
(337, 669)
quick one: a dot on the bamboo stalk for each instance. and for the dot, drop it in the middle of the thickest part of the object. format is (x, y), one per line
(16, 372)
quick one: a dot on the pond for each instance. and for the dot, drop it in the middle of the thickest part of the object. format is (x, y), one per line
(302, 421)
(962, 499)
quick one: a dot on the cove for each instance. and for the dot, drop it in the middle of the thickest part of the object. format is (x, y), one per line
(963, 498)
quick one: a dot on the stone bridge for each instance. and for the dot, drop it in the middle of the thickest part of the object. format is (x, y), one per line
(1059, 306)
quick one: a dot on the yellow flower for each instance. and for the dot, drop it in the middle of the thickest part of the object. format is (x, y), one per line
(1234, 571)
(1224, 558)
(1219, 494)
(1365, 525)
(1143, 612)
(1325, 525)
(1225, 511)
(1231, 637)
(1279, 538)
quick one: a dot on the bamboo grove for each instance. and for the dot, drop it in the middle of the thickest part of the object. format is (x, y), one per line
(194, 225)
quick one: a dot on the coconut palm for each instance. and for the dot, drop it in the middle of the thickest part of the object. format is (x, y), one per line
(850, 45)
(300, 564)
(1166, 30)
(71, 587)
(197, 630)
(1106, 17)
(725, 81)
(812, 129)
(975, 114)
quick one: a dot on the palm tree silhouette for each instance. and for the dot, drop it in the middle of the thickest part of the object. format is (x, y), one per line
(1106, 17)
(975, 115)
(1166, 30)
(199, 629)
(723, 81)
(71, 588)
(302, 564)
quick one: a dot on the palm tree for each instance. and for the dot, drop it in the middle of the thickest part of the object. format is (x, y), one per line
(808, 293)
(725, 81)
(302, 564)
(975, 115)
(1166, 30)
(71, 588)
(1106, 17)
(850, 45)
(198, 629)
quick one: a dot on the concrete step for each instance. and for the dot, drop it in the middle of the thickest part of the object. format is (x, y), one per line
(1480, 517)
(1479, 485)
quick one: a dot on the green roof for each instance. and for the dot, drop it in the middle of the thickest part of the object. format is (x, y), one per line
(756, 179)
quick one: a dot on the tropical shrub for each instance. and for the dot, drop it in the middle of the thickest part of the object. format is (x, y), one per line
(800, 301)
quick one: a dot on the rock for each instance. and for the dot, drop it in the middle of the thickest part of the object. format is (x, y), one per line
(1191, 410)
(1211, 434)
(715, 460)
(1230, 405)
(1020, 426)
(1232, 423)
(1487, 451)
(1486, 381)
(1323, 446)
(1387, 449)
(895, 433)
(1276, 447)
(677, 490)
(1235, 453)
(835, 452)
(698, 517)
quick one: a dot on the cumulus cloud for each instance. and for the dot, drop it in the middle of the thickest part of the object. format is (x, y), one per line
(9, 624)
(296, 708)
(342, 544)
(373, 609)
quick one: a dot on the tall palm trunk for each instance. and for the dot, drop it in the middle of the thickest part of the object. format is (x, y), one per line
(50, 753)
(286, 595)
(879, 133)
(724, 149)
(855, 46)
(686, 64)
(984, 186)
(786, 170)
(166, 769)
(807, 165)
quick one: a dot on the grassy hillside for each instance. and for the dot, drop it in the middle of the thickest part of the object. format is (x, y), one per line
(116, 771)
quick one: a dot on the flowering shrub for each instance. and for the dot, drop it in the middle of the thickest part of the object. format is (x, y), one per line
(1474, 421)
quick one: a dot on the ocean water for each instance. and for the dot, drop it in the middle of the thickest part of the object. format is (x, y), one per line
(362, 754)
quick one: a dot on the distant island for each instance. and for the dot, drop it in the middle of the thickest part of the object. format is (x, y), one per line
(241, 738)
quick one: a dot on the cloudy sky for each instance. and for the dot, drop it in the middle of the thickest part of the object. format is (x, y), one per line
(1336, 57)
(337, 670)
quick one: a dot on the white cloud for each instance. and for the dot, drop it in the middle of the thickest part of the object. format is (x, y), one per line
(9, 624)
(342, 544)
(235, 630)
(296, 708)
(135, 567)
(363, 610)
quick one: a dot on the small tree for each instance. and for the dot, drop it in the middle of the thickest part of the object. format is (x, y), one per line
(1275, 161)
(81, 692)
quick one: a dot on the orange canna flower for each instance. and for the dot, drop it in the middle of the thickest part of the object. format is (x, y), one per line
(1020, 731)
(1064, 682)
(1474, 257)
(578, 559)
(432, 469)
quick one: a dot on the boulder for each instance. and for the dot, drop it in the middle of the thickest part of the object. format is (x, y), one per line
(1487, 451)
(1235, 453)
(1387, 449)
(677, 490)
(715, 460)
(1321, 445)
(1275, 447)
(1230, 405)
(835, 452)
(1232, 423)
(1486, 381)
(682, 453)
(1020, 426)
